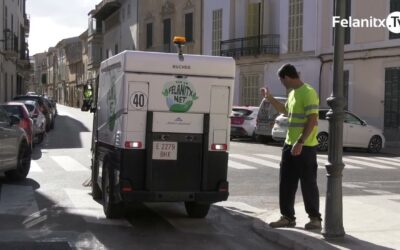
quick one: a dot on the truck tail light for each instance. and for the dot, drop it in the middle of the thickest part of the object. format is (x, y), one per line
(133, 144)
(219, 147)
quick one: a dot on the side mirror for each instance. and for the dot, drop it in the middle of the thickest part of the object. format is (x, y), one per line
(93, 110)
(364, 123)
(14, 120)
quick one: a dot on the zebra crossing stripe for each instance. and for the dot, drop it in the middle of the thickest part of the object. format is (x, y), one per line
(273, 157)
(347, 160)
(321, 164)
(35, 167)
(377, 160)
(265, 163)
(365, 163)
(69, 164)
(238, 165)
(396, 159)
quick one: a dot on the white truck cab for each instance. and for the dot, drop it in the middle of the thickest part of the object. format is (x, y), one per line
(161, 130)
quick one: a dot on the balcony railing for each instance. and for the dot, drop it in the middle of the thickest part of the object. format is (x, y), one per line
(251, 46)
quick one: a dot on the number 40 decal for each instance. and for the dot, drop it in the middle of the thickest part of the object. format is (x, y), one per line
(138, 100)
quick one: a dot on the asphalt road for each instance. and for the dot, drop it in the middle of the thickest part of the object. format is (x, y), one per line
(53, 210)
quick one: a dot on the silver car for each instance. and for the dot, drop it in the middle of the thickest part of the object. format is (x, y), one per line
(15, 152)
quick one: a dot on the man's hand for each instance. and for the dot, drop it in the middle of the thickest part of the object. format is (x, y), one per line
(296, 149)
(265, 92)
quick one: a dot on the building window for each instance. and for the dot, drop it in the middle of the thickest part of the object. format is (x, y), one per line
(250, 90)
(189, 27)
(167, 31)
(216, 32)
(347, 30)
(149, 35)
(128, 11)
(295, 41)
(253, 19)
(116, 49)
(392, 98)
(394, 6)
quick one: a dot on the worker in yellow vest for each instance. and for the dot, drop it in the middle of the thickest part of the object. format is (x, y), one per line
(299, 153)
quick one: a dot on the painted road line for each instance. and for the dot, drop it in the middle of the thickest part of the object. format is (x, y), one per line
(321, 164)
(347, 160)
(273, 157)
(391, 159)
(238, 165)
(69, 164)
(265, 163)
(382, 161)
(35, 167)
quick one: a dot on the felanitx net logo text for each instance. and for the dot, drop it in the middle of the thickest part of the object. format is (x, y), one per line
(392, 22)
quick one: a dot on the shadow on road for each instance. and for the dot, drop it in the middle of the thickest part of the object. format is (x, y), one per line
(66, 134)
(62, 225)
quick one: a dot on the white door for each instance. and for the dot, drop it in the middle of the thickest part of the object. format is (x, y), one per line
(355, 131)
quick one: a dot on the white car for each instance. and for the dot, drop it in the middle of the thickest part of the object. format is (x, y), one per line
(243, 121)
(356, 132)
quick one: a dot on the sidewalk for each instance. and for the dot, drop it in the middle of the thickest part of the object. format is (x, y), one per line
(370, 222)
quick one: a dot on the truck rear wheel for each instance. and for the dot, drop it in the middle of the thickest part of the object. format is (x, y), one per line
(197, 210)
(112, 210)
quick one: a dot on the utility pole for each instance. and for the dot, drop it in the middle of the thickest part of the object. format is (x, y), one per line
(333, 227)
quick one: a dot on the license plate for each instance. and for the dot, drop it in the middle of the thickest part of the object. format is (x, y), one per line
(165, 150)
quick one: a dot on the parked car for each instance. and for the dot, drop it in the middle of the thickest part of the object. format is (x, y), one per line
(356, 132)
(243, 121)
(26, 123)
(15, 153)
(54, 105)
(45, 107)
(266, 119)
(39, 119)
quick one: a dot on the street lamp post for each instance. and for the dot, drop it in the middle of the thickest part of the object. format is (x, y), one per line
(334, 199)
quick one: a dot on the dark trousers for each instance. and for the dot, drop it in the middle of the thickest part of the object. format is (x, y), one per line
(294, 168)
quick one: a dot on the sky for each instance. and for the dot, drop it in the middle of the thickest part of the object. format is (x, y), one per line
(54, 20)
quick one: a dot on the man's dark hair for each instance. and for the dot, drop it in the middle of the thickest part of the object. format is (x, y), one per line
(288, 70)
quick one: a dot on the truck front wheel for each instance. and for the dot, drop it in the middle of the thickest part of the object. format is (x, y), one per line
(197, 210)
(112, 210)
(96, 191)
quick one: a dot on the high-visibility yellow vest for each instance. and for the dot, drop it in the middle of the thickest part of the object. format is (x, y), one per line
(301, 102)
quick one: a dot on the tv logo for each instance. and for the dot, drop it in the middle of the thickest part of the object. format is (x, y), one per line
(392, 22)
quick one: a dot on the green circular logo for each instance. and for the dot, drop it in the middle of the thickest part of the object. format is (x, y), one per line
(180, 95)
